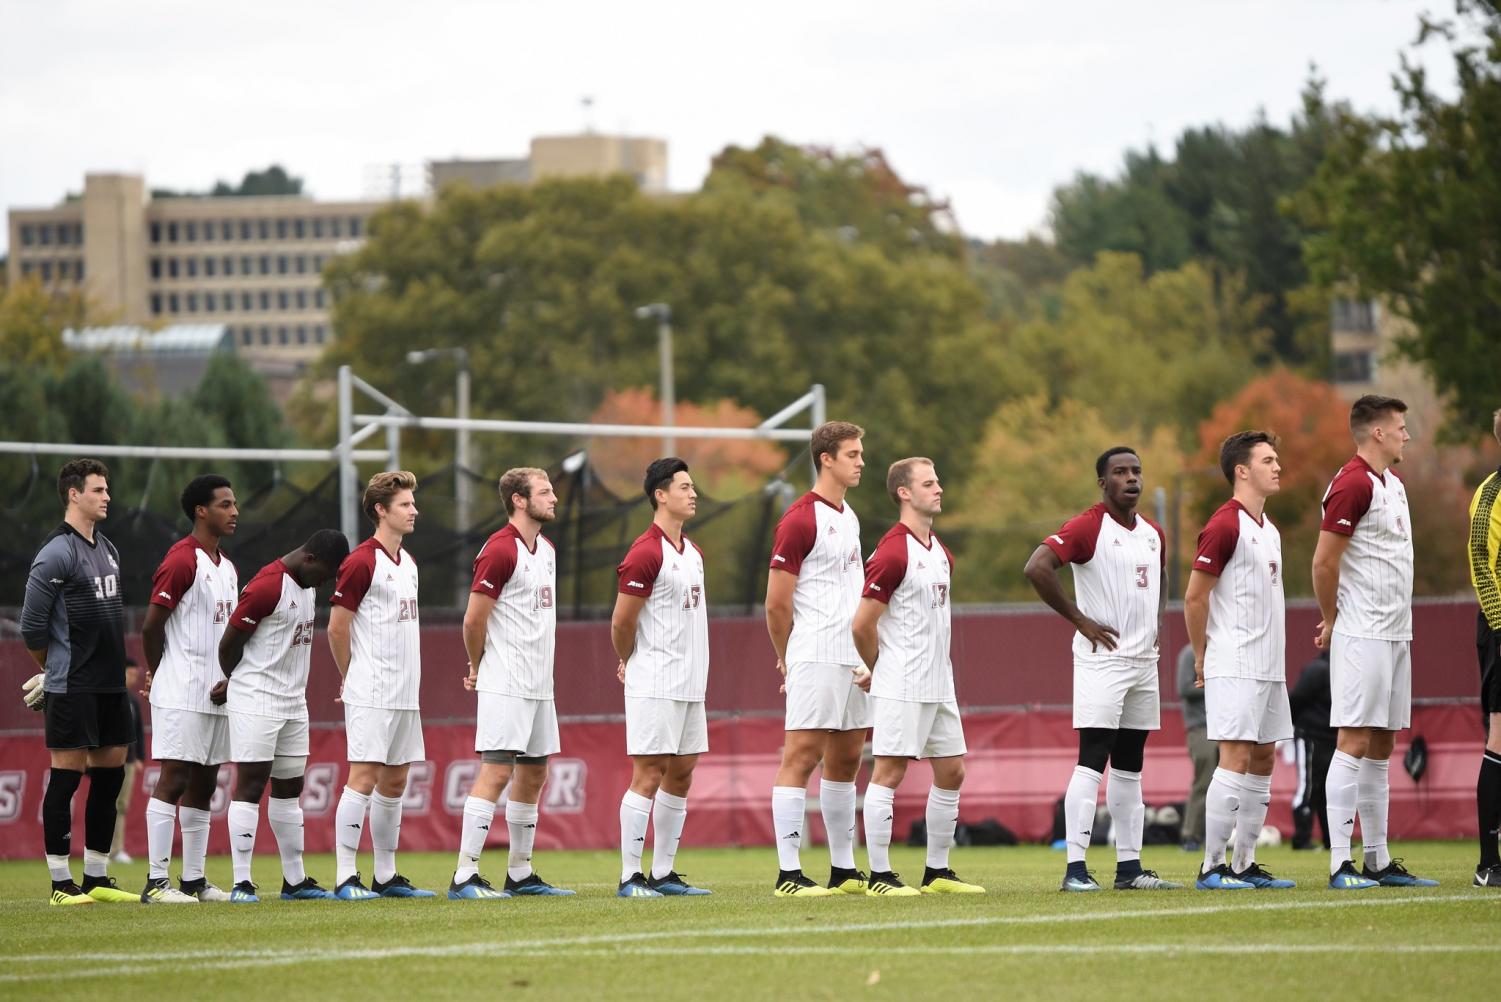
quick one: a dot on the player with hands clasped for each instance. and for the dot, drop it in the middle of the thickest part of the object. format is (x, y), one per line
(903, 632)
(812, 589)
(510, 631)
(1117, 557)
(660, 632)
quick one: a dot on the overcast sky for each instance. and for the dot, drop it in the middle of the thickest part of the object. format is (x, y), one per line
(990, 104)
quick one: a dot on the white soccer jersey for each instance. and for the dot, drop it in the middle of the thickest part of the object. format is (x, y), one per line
(671, 659)
(279, 614)
(523, 626)
(1117, 582)
(200, 592)
(820, 543)
(1375, 573)
(913, 581)
(1247, 617)
(385, 649)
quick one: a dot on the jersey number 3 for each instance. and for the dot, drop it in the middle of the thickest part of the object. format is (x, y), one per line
(1142, 581)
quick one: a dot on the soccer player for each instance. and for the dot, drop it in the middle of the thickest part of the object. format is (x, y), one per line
(376, 642)
(1118, 557)
(902, 631)
(510, 630)
(266, 654)
(192, 594)
(1237, 624)
(812, 589)
(74, 628)
(1485, 551)
(1362, 578)
(660, 632)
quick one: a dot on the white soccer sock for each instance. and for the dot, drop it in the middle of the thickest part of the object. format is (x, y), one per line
(1127, 813)
(479, 815)
(1079, 803)
(285, 816)
(521, 823)
(60, 867)
(349, 825)
(942, 819)
(635, 813)
(788, 810)
(385, 832)
(1255, 798)
(244, 819)
(193, 823)
(95, 864)
(1221, 806)
(161, 825)
(836, 802)
(667, 817)
(1373, 798)
(879, 811)
(1340, 786)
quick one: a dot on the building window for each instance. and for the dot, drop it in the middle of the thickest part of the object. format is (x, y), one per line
(190, 232)
(301, 262)
(265, 264)
(320, 334)
(1354, 315)
(281, 300)
(172, 306)
(46, 270)
(299, 228)
(281, 229)
(263, 229)
(281, 264)
(156, 233)
(156, 304)
(78, 269)
(265, 335)
(171, 233)
(226, 231)
(156, 267)
(246, 334)
(317, 229)
(318, 298)
(302, 335)
(28, 235)
(334, 228)
(247, 266)
(281, 335)
(208, 302)
(302, 299)
(318, 263)
(229, 265)
(245, 233)
(247, 302)
(192, 266)
(25, 268)
(209, 264)
(171, 267)
(356, 225)
(44, 234)
(1353, 366)
(265, 301)
(192, 302)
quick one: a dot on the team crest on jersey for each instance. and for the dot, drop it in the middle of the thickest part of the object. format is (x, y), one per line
(1152, 542)
(854, 557)
(1273, 565)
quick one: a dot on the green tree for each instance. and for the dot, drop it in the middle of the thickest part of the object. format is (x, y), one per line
(1404, 209)
(274, 180)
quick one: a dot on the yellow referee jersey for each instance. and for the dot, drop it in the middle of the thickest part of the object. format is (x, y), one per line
(1485, 546)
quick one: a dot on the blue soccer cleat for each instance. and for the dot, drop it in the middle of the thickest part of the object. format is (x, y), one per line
(476, 888)
(675, 885)
(636, 887)
(1221, 879)
(308, 890)
(1079, 885)
(1262, 880)
(353, 890)
(1346, 879)
(400, 887)
(534, 886)
(243, 893)
(1394, 874)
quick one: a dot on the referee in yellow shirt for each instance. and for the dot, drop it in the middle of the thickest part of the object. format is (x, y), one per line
(1485, 575)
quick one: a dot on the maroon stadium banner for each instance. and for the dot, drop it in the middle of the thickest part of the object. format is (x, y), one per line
(1019, 764)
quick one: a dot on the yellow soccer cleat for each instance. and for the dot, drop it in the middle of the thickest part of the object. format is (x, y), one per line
(945, 881)
(104, 889)
(847, 881)
(792, 884)
(887, 885)
(69, 894)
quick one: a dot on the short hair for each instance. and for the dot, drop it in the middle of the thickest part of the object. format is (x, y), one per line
(327, 546)
(1236, 450)
(73, 474)
(383, 487)
(1104, 460)
(200, 491)
(827, 436)
(1369, 409)
(659, 475)
(518, 481)
(900, 474)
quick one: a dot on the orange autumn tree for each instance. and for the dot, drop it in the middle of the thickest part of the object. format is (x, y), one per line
(722, 468)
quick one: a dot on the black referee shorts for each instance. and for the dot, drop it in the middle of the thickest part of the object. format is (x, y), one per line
(88, 720)
(1488, 647)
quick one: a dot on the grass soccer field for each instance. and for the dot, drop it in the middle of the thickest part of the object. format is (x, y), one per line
(1022, 940)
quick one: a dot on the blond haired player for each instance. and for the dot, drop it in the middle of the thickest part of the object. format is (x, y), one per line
(376, 642)
(902, 630)
(510, 629)
(812, 590)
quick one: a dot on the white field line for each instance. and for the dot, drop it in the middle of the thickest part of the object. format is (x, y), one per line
(611, 944)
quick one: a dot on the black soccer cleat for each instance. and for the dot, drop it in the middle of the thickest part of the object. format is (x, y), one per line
(793, 884)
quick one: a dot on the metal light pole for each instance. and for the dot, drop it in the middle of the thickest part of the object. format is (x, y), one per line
(668, 394)
(461, 494)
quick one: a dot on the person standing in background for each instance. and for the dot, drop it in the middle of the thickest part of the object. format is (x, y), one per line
(1203, 753)
(1314, 742)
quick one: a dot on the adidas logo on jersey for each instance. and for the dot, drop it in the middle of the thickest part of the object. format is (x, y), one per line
(1344, 522)
(777, 558)
(1057, 538)
(165, 595)
(634, 584)
(1205, 560)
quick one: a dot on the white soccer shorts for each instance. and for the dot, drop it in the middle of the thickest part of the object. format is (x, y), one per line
(1117, 697)
(389, 737)
(665, 726)
(823, 697)
(1247, 709)
(905, 729)
(189, 736)
(257, 738)
(528, 727)
(1370, 682)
